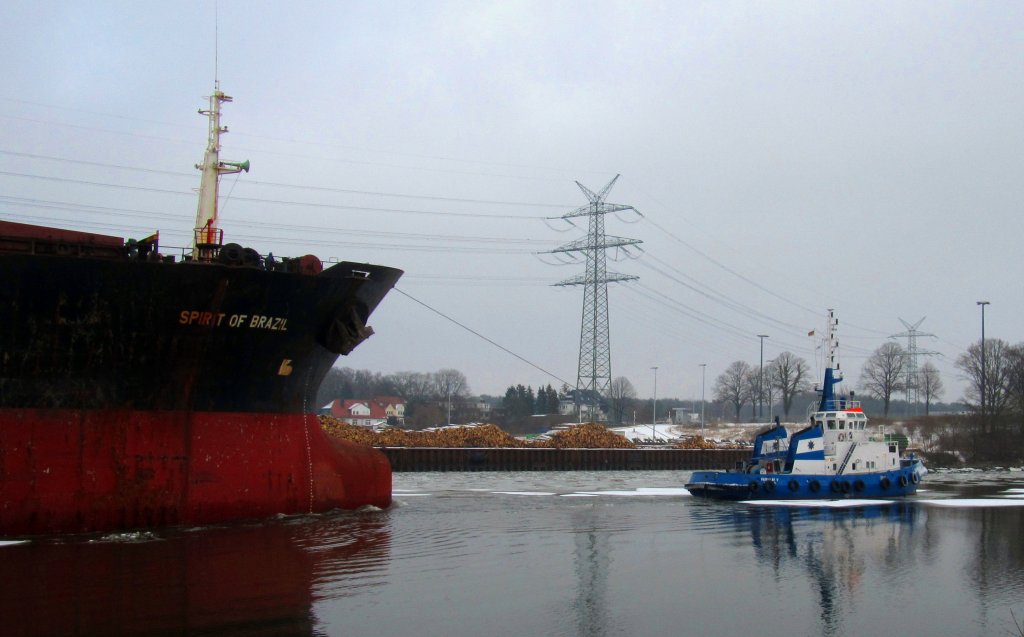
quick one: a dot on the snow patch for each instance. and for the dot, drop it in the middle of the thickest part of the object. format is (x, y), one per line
(523, 492)
(975, 502)
(641, 491)
(828, 504)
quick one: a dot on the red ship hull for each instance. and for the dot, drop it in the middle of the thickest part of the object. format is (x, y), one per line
(66, 470)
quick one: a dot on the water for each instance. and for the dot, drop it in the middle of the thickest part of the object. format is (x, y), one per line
(620, 553)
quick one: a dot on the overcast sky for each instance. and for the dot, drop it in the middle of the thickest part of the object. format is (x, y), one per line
(786, 157)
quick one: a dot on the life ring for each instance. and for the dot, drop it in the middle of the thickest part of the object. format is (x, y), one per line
(858, 485)
(835, 487)
(915, 478)
(815, 486)
(903, 480)
(884, 482)
(794, 486)
(752, 486)
(769, 486)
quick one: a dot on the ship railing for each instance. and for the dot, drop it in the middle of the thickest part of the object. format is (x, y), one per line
(208, 241)
(835, 404)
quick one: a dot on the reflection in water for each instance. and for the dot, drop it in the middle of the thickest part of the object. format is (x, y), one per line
(503, 555)
(906, 561)
(234, 580)
(998, 558)
(592, 560)
(835, 547)
(842, 557)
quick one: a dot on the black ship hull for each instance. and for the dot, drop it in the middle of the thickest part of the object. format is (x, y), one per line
(96, 334)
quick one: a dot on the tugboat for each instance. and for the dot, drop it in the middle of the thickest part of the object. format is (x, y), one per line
(834, 457)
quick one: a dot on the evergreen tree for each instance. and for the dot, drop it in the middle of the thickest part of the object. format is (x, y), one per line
(541, 404)
(552, 406)
(510, 403)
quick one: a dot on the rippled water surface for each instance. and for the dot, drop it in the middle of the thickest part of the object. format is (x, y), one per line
(619, 553)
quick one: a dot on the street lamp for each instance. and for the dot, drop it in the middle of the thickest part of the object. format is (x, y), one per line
(703, 368)
(760, 381)
(654, 409)
(983, 304)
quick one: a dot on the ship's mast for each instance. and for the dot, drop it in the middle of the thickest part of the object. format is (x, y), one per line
(833, 375)
(208, 237)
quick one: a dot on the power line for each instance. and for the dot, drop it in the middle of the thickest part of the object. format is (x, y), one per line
(479, 335)
(279, 202)
(274, 184)
(321, 143)
(307, 157)
(715, 296)
(319, 230)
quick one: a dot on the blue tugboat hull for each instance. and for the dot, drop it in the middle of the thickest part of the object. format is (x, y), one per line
(734, 485)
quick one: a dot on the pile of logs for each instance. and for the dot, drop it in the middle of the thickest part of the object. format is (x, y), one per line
(585, 436)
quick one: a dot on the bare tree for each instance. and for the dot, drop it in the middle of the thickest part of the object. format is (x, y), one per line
(881, 373)
(769, 388)
(413, 386)
(930, 383)
(1016, 379)
(730, 386)
(789, 374)
(754, 391)
(620, 393)
(450, 383)
(997, 375)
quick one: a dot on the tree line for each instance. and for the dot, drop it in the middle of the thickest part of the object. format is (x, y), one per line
(426, 394)
(781, 380)
(995, 394)
(885, 374)
(520, 401)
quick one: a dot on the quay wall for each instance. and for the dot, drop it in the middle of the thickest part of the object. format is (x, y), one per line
(504, 459)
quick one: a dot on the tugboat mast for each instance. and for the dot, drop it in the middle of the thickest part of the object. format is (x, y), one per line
(833, 375)
(208, 237)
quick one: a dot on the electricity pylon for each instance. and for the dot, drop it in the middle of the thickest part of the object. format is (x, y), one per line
(594, 375)
(912, 371)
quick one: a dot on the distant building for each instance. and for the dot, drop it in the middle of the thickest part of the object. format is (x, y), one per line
(684, 416)
(374, 412)
(568, 407)
(483, 408)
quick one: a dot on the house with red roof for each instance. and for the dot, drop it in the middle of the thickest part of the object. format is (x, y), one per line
(373, 412)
